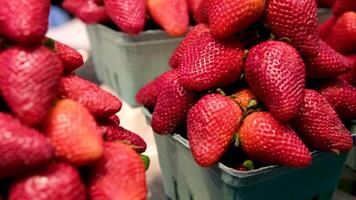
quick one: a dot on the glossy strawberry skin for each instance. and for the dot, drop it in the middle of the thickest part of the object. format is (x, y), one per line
(74, 133)
(212, 123)
(172, 15)
(24, 21)
(227, 17)
(71, 59)
(342, 6)
(276, 74)
(15, 140)
(99, 102)
(296, 20)
(125, 136)
(319, 126)
(29, 80)
(193, 6)
(55, 182)
(350, 77)
(265, 139)
(202, 15)
(325, 27)
(172, 106)
(89, 11)
(209, 63)
(129, 16)
(119, 174)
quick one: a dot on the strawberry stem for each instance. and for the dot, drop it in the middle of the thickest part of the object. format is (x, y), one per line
(146, 161)
(248, 164)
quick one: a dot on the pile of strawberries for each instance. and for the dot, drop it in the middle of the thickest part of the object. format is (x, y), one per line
(134, 16)
(59, 135)
(255, 81)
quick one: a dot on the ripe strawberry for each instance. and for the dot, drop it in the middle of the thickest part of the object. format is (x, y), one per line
(342, 97)
(276, 74)
(24, 21)
(193, 6)
(245, 98)
(342, 37)
(21, 147)
(327, 64)
(212, 123)
(194, 33)
(325, 27)
(202, 14)
(209, 63)
(227, 17)
(122, 135)
(319, 126)
(74, 133)
(342, 6)
(296, 20)
(99, 102)
(89, 11)
(325, 3)
(71, 59)
(172, 105)
(55, 182)
(106, 124)
(265, 139)
(129, 16)
(171, 15)
(29, 80)
(351, 76)
(119, 174)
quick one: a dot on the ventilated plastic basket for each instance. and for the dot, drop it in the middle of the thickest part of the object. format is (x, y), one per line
(126, 63)
(184, 180)
(351, 159)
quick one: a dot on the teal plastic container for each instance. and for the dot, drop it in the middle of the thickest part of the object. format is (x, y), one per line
(125, 63)
(183, 179)
(351, 159)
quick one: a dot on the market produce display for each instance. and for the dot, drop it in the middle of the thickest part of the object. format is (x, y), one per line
(261, 82)
(59, 135)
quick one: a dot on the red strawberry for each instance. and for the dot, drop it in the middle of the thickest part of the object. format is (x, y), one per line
(172, 105)
(89, 11)
(129, 16)
(106, 124)
(125, 136)
(351, 76)
(328, 63)
(342, 37)
(276, 74)
(296, 20)
(70, 58)
(227, 17)
(325, 27)
(342, 97)
(342, 6)
(171, 15)
(319, 126)
(265, 139)
(24, 21)
(325, 3)
(55, 182)
(99, 102)
(29, 80)
(21, 147)
(212, 123)
(74, 133)
(195, 32)
(202, 14)
(193, 6)
(209, 63)
(119, 174)
(245, 98)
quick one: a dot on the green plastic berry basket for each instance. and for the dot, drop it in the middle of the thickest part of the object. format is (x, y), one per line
(125, 63)
(183, 179)
(351, 159)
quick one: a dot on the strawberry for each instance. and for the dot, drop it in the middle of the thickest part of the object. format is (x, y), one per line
(89, 11)
(319, 126)
(245, 98)
(342, 37)
(325, 3)
(342, 6)
(211, 125)
(296, 20)
(99, 102)
(125, 136)
(15, 140)
(209, 63)
(129, 16)
(342, 97)
(171, 15)
(106, 124)
(276, 74)
(24, 21)
(227, 17)
(119, 174)
(327, 64)
(265, 139)
(193, 6)
(71, 59)
(29, 80)
(74, 133)
(351, 76)
(55, 182)
(201, 15)
(196, 31)
(172, 106)
(325, 27)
